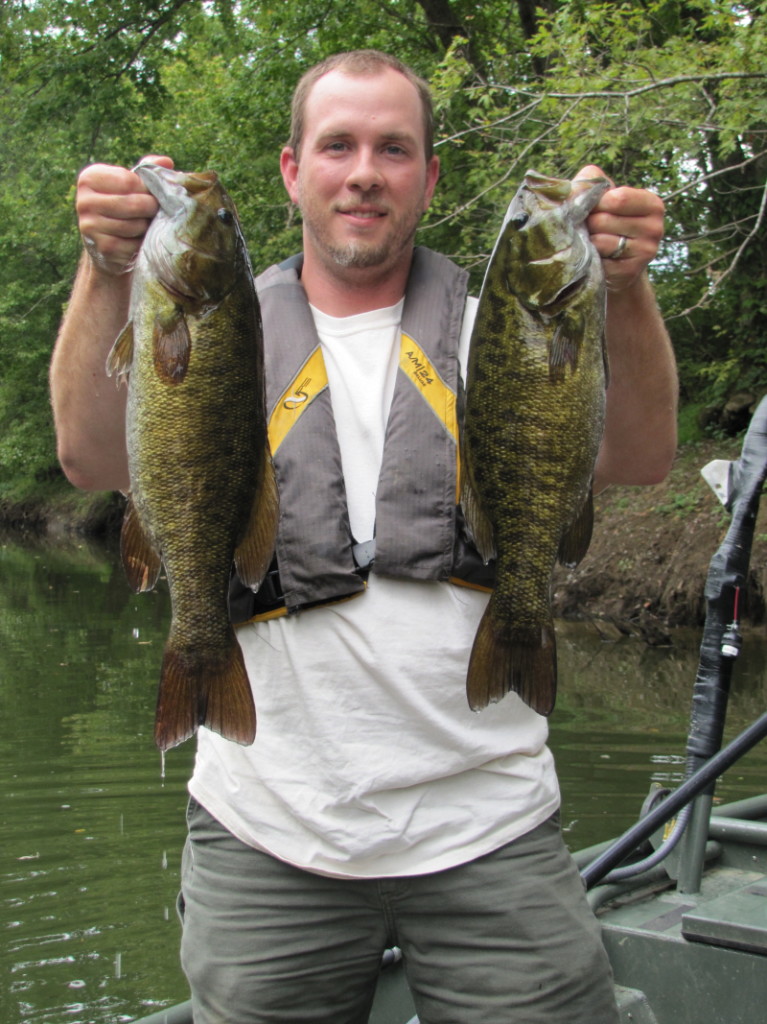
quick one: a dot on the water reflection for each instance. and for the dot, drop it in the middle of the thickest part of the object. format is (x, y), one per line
(92, 832)
(621, 724)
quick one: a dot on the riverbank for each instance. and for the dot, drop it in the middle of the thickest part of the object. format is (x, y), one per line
(649, 557)
(644, 572)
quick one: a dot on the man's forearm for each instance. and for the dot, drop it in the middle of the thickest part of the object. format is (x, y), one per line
(88, 406)
(640, 428)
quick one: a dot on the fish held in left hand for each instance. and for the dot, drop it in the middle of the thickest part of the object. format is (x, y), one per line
(203, 493)
(534, 418)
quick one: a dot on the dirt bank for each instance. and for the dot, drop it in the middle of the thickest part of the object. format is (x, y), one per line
(649, 557)
(645, 569)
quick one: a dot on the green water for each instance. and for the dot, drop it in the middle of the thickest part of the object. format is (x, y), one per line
(91, 830)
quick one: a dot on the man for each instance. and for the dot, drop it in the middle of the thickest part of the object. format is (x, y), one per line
(373, 808)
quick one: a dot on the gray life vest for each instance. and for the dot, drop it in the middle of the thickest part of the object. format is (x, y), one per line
(419, 531)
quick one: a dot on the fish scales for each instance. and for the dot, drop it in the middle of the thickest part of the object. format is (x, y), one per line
(534, 416)
(202, 487)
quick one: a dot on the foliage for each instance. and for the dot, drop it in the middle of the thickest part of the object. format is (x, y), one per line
(669, 94)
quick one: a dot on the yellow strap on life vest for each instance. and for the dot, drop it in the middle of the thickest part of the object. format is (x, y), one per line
(434, 391)
(310, 380)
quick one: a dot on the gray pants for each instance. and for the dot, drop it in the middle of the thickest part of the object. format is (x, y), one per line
(505, 939)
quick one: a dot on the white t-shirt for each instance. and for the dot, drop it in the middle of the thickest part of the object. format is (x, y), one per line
(367, 759)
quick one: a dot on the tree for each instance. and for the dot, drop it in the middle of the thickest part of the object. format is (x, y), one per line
(666, 93)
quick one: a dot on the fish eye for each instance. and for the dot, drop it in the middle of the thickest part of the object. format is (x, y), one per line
(519, 220)
(225, 216)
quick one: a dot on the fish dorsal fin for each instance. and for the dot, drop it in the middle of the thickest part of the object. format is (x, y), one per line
(172, 347)
(120, 358)
(575, 542)
(141, 559)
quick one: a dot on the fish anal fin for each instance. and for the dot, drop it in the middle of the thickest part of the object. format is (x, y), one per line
(254, 552)
(198, 687)
(479, 526)
(172, 347)
(140, 558)
(576, 540)
(120, 358)
(498, 667)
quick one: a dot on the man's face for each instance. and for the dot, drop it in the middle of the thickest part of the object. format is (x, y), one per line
(362, 180)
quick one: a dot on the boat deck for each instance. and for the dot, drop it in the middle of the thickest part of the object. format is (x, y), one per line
(701, 957)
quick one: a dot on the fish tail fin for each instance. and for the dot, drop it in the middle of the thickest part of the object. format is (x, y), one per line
(199, 689)
(499, 665)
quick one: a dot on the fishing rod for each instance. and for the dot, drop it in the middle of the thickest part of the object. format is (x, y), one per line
(739, 487)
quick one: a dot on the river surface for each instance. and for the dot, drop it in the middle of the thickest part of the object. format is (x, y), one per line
(92, 823)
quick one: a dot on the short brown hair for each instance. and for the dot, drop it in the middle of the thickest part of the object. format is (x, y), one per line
(358, 62)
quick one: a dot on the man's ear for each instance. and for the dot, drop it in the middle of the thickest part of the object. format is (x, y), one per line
(289, 171)
(432, 176)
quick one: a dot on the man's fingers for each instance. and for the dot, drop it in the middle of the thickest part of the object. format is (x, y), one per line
(114, 210)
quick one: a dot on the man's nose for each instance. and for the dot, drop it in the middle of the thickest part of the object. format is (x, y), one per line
(365, 173)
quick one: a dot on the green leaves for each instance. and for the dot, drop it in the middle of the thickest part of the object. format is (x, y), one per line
(669, 94)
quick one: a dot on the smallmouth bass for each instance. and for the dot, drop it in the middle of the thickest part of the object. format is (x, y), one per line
(534, 418)
(203, 493)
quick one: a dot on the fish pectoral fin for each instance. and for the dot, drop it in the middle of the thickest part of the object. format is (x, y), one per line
(141, 559)
(203, 687)
(479, 526)
(575, 542)
(120, 358)
(254, 553)
(498, 666)
(172, 347)
(563, 352)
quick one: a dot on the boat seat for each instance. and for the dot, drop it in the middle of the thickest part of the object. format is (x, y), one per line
(737, 919)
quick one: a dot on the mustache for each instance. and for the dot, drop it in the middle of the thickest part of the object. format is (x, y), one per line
(364, 203)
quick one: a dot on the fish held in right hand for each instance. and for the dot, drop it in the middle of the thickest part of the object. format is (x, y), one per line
(534, 417)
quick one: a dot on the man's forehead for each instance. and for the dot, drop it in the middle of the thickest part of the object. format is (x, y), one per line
(385, 94)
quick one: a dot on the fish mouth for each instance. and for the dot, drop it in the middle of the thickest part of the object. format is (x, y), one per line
(177, 193)
(556, 257)
(577, 255)
(165, 185)
(179, 297)
(563, 296)
(174, 190)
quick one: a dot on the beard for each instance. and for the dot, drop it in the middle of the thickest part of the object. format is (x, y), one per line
(360, 254)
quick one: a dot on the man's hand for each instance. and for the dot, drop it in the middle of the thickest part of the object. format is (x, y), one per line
(633, 214)
(114, 209)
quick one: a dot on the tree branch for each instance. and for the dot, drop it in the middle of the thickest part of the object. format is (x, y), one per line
(720, 277)
(714, 174)
(641, 89)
